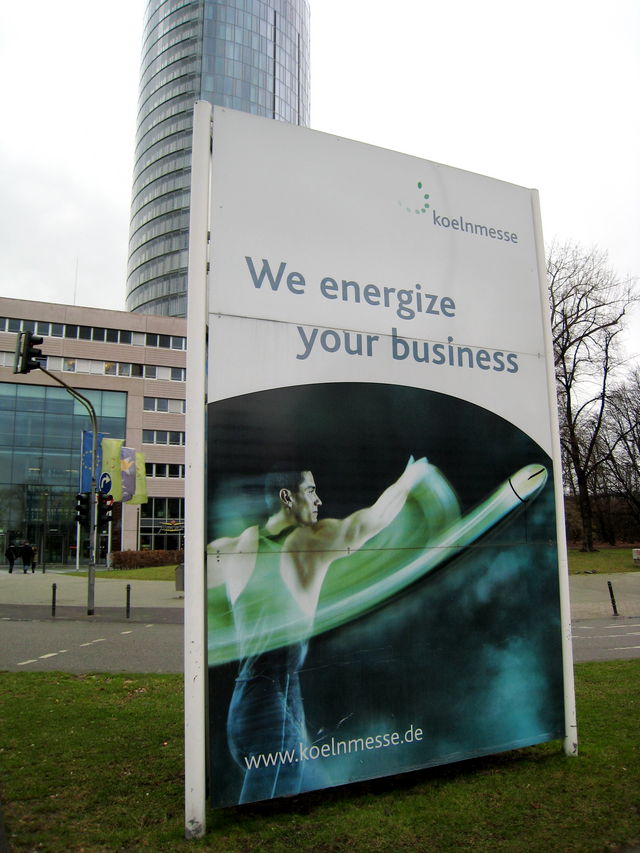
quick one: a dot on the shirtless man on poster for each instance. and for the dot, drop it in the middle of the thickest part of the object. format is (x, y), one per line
(279, 568)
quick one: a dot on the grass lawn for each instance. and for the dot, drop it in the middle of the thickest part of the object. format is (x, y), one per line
(150, 573)
(94, 763)
(605, 560)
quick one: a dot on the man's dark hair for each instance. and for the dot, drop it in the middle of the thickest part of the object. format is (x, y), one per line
(280, 477)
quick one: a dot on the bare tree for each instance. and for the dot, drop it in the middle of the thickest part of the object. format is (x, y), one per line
(622, 438)
(588, 307)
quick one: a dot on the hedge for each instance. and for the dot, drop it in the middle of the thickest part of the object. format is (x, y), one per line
(142, 559)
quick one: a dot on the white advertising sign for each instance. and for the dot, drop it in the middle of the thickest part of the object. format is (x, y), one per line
(381, 519)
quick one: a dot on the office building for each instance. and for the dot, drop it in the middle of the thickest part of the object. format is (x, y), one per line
(250, 55)
(132, 369)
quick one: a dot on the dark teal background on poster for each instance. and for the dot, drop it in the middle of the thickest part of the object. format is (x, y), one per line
(470, 655)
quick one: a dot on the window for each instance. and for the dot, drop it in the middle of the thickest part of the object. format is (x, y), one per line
(176, 406)
(164, 341)
(43, 328)
(178, 374)
(54, 362)
(69, 364)
(152, 340)
(125, 336)
(84, 333)
(70, 331)
(149, 371)
(160, 469)
(112, 336)
(149, 405)
(147, 436)
(99, 334)
(57, 330)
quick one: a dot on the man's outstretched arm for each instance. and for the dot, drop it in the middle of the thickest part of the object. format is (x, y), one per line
(352, 532)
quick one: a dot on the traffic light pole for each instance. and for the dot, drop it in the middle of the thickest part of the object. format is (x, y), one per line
(93, 527)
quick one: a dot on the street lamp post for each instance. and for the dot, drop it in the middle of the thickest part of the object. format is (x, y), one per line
(93, 527)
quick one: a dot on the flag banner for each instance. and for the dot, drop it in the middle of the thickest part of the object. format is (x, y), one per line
(85, 452)
(140, 494)
(111, 477)
(128, 472)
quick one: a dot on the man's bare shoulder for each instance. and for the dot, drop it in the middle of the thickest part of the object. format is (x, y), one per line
(246, 542)
(315, 536)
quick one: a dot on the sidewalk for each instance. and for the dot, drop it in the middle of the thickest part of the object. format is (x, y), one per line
(30, 596)
(590, 597)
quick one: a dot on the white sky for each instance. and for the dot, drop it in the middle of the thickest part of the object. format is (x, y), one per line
(542, 94)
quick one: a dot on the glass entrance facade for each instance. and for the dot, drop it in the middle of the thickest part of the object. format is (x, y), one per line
(40, 434)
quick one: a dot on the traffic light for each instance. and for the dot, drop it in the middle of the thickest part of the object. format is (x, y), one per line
(83, 508)
(105, 509)
(26, 357)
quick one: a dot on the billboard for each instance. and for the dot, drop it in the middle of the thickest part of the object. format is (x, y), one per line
(382, 564)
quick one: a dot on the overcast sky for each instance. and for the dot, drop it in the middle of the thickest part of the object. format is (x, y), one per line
(542, 94)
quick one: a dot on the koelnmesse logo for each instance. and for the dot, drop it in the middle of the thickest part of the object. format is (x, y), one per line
(458, 222)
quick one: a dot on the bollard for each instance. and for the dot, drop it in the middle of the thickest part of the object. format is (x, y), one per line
(613, 600)
(128, 600)
(54, 589)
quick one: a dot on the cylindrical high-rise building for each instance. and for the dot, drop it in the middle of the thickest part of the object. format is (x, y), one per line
(250, 55)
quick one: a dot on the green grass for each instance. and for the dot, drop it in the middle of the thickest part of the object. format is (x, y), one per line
(150, 573)
(606, 560)
(94, 763)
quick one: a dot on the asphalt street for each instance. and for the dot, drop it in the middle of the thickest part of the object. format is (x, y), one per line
(140, 629)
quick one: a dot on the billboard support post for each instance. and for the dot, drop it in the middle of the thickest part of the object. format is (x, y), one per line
(195, 667)
(570, 721)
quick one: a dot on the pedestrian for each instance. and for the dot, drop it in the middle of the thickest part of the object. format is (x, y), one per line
(11, 555)
(26, 552)
(34, 559)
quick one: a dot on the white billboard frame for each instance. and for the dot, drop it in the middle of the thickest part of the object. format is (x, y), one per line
(195, 533)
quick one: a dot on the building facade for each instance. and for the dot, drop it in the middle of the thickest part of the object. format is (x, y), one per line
(250, 55)
(132, 369)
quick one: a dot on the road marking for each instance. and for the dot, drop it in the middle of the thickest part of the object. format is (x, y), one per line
(99, 640)
(50, 655)
(25, 662)
(126, 632)
(609, 636)
(624, 648)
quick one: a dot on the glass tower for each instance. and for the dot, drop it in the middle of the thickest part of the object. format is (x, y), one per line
(250, 55)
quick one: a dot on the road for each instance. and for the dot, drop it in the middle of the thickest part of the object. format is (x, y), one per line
(151, 640)
(81, 646)
(121, 646)
(606, 639)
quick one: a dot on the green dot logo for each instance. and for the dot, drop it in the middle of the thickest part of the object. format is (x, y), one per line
(424, 201)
